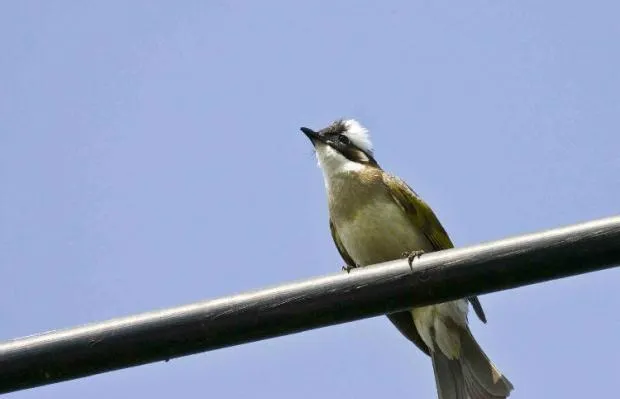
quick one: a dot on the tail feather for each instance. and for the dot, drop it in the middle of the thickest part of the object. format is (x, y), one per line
(471, 376)
(448, 377)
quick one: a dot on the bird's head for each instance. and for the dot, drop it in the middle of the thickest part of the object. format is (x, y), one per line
(342, 146)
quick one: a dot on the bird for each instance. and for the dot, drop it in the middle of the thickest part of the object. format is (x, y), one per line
(375, 217)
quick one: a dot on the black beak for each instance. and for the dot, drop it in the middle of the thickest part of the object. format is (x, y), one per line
(312, 135)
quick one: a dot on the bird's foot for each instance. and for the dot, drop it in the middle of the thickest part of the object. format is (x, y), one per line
(412, 255)
(348, 268)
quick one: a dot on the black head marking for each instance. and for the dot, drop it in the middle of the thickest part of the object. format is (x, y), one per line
(336, 134)
(335, 129)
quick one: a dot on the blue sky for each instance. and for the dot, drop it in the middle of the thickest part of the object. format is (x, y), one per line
(150, 156)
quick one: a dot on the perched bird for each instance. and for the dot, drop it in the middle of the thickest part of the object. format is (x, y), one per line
(376, 217)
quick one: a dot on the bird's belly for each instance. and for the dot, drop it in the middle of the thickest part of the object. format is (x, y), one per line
(380, 232)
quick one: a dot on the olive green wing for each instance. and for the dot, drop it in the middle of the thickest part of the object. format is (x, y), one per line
(422, 216)
(418, 212)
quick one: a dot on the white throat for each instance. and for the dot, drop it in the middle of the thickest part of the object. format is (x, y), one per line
(333, 163)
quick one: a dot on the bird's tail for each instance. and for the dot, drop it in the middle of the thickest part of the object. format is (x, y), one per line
(470, 376)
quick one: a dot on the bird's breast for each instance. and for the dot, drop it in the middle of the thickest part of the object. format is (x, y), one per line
(379, 231)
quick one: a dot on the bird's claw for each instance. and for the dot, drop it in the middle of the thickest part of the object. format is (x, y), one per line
(411, 256)
(348, 268)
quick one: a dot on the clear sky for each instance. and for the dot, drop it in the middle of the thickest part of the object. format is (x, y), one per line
(150, 157)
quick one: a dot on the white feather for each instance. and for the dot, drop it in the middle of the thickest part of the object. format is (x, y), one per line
(358, 135)
(333, 163)
(431, 324)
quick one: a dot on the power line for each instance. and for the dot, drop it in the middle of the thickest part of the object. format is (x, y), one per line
(161, 335)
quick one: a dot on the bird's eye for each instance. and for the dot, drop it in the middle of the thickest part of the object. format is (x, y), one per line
(344, 140)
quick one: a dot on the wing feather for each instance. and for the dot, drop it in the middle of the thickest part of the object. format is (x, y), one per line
(422, 216)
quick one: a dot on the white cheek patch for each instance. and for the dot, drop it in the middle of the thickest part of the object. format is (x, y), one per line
(329, 159)
(333, 163)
